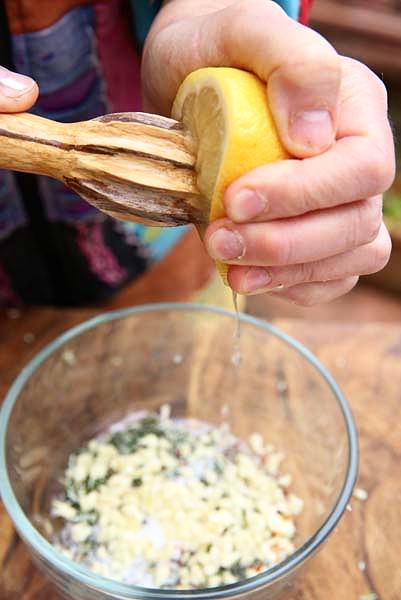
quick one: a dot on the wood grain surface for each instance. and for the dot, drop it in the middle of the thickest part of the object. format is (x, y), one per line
(366, 361)
(134, 166)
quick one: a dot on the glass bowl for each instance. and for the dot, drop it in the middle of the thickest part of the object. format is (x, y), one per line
(180, 354)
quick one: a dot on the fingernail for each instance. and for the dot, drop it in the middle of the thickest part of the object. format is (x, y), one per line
(313, 128)
(255, 279)
(226, 245)
(245, 205)
(14, 85)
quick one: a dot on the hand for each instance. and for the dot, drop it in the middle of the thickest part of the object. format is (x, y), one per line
(307, 227)
(17, 92)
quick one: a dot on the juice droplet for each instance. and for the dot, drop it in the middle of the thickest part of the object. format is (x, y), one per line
(236, 357)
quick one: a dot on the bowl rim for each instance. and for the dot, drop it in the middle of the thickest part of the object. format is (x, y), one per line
(101, 584)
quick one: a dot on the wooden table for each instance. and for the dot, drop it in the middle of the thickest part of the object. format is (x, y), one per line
(366, 361)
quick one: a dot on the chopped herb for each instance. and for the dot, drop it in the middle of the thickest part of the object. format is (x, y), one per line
(128, 441)
(238, 570)
(92, 485)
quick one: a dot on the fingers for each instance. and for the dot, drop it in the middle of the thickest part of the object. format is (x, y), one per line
(303, 239)
(361, 163)
(309, 294)
(17, 92)
(302, 68)
(364, 260)
(354, 168)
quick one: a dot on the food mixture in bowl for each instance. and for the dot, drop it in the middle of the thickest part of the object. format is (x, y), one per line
(176, 504)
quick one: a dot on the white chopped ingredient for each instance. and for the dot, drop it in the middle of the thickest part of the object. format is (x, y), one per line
(80, 532)
(349, 508)
(98, 469)
(177, 359)
(256, 443)
(176, 504)
(29, 338)
(360, 494)
(165, 412)
(273, 462)
(369, 596)
(362, 565)
(295, 505)
(285, 480)
(69, 357)
(63, 509)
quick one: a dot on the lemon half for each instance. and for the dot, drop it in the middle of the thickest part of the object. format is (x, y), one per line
(227, 113)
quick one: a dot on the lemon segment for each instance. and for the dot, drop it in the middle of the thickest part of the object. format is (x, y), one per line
(227, 113)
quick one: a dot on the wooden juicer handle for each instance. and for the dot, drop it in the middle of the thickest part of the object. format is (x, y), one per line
(133, 166)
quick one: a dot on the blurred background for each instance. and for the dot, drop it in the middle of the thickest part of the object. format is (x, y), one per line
(370, 31)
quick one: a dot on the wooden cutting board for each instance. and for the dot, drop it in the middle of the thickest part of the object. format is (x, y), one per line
(366, 361)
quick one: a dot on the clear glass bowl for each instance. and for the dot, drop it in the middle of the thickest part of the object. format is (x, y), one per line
(142, 358)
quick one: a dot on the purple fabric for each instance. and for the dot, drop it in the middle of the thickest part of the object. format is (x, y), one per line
(69, 96)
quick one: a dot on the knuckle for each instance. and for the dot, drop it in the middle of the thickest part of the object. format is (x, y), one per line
(278, 249)
(383, 170)
(357, 65)
(306, 273)
(379, 168)
(381, 252)
(371, 218)
(305, 189)
(353, 236)
(370, 77)
(316, 62)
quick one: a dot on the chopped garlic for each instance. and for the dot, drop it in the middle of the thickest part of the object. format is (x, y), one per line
(80, 532)
(69, 357)
(360, 494)
(63, 509)
(285, 480)
(273, 462)
(256, 443)
(177, 504)
(165, 412)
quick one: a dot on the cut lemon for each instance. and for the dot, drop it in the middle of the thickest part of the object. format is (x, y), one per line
(226, 111)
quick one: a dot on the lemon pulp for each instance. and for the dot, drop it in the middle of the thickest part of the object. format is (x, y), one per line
(227, 112)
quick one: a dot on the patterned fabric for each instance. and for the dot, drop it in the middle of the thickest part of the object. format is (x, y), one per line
(297, 9)
(305, 9)
(86, 65)
(54, 247)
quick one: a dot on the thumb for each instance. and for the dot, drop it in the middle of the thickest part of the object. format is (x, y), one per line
(304, 98)
(17, 92)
